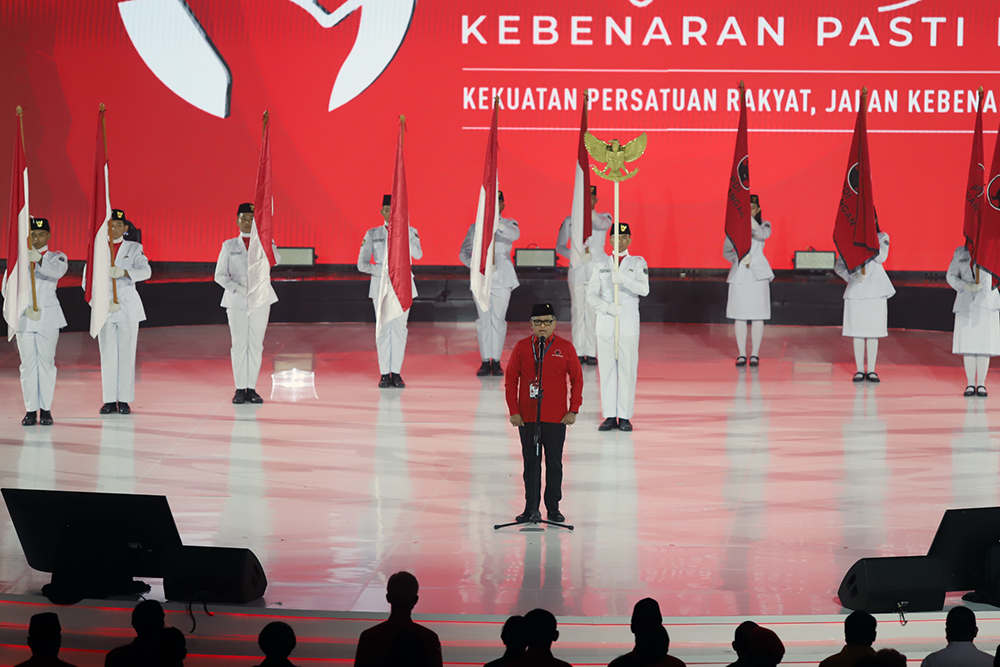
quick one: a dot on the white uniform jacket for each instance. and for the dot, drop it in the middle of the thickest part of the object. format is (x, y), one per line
(877, 284)
(600, 223)
(47, 274)
(504, 275)
(129, 256)
(960, 273)
(759, 268)
(601, 293)
(372, 256)
(231, 271)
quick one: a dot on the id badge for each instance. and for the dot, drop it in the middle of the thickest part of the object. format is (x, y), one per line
(533, 390)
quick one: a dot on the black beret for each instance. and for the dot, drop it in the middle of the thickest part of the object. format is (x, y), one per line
(40, 223)
(245, 207)
(542, 309)
(623, 228)
(118, 214)
(754, 199)
(593, 189)
(386, 200)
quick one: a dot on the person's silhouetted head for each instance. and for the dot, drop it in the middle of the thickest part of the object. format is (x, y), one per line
(44, 635)
(514, 634)
(147, 618)
(741, 638)
(890, 657)
(766, 649)
(859, 629)
(646, 613)
(651, 644)
(276, 640)
(960, 625)
(401, 591)
(172, 647)
(540, 629)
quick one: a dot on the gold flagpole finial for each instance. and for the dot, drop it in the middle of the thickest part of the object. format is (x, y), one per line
(101, 107)
(20, 111)
(864, 91)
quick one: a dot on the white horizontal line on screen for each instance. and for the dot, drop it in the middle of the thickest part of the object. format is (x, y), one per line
(721, 71)
(719, 129)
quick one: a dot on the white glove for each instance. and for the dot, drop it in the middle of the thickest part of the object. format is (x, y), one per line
(240, 289)
(614, 309)
(115, 307)
(34, 255)
(972, 287)
(32, 314)
(754, 225)
(586, 256)
(746, 262)
(116, 272)
(618, 277)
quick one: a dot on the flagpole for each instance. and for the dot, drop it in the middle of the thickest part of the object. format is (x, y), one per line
(111, 242)
(617, 261)
(864, 99)
(979, 105)
(34, 295)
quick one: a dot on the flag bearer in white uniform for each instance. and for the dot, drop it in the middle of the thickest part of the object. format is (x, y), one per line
(118, 337)
(391, 343)
(491, 325)
(618, 371)
(246, 328)
(583, 314)
(977, 320)
(750, 287)
(38, 330)
(866, 307)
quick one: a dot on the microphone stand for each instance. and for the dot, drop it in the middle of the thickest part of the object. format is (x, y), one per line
(536, 516)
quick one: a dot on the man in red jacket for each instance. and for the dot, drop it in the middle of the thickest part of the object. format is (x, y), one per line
(559, 402)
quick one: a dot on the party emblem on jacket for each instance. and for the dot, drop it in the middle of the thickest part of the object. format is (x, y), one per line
(743, 169)
(993, 192)
(175, 47)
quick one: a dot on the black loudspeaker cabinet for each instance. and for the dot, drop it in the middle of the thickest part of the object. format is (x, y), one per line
(886, 585)
(214, 574)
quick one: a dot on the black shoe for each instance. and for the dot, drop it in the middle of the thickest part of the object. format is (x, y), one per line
(557, 516)
(45, 418)
(397, 380)
(495, 368)
(608, 424)
(981, 391)
(240, 397)
(591, 361)
(109, 408)
(385, 381)
(254, 397)
(30, 419)
(872, 377)
(624, 425)
(741, 361)
(858, 377)
(755, 361)
(524, 517)
(970, 391)
(485, 369)
(123, 408)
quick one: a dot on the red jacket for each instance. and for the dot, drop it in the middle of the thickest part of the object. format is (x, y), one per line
(560, 364)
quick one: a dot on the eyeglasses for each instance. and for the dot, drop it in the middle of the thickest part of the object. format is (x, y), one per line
(544, 323)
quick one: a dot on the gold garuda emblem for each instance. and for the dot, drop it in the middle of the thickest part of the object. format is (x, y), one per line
(614, 156)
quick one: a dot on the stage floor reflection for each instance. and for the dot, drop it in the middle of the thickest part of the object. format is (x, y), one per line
(740, 492)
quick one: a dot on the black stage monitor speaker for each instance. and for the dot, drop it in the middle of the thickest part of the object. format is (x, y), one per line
(962, 541)
(214, 574)
(93, 543)
(885, 585)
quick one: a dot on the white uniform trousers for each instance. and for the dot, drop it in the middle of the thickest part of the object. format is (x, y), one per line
(584, 321)
(391, 344)
(247, 330)
(117, 341)
(618, 375)
(38, 367)
(491, 327)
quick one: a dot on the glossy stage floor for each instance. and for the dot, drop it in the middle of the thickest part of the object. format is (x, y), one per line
(741, 493)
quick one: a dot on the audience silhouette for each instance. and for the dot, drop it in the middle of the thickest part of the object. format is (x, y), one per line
(44, 640)
(960, 630)
(540, 632)
(147, 620)
(766, 650)
(276, 641)
(741, 644)
(514, 638)
(859, 635)
(652, 642)
(886, 657)
(171, 648)
(399, 640)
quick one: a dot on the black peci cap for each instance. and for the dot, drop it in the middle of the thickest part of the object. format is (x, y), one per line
(118, 214)
(40, 223)
(245, 207)
(623, 228)
(386, 200)
(542, 309)
(593, 189)
(754, 199)
(500, 195)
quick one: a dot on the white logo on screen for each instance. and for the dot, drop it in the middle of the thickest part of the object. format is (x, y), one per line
(175, 47)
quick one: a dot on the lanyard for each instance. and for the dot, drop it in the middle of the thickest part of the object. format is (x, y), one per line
(534, 349)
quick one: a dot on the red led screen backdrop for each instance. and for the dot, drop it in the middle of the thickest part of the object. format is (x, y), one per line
(186, 83)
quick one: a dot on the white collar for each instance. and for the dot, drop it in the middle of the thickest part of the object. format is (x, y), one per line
(44, 249)
(244, 235)
(119, 240)
(621, 255)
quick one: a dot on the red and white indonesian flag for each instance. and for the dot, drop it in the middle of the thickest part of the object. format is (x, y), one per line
(97, 280)
(487, 220)
(738, 228)
(855, 230)
(988, 245)
(974, 189)
(395, 295)
(580, 214)
(260, 250)
(17, 276)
